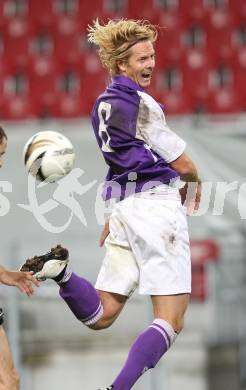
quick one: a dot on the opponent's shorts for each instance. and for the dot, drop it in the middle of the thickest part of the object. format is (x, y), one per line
(148, 246)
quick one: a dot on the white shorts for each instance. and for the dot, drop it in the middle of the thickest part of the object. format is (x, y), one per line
(148, 246)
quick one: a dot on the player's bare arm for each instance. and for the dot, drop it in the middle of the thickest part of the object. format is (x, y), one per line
(24, 281)
(187, 170)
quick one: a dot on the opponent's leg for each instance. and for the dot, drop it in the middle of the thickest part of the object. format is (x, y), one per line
(155, 341)
(9, 379)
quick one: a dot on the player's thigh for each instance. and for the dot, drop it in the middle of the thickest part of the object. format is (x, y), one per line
(171, 308)
(158, 235)
(119, 272)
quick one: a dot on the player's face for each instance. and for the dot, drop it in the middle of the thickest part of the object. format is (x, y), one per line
(140, 64)
(3, 146)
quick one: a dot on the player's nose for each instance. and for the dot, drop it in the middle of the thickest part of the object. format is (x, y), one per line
(151, 64)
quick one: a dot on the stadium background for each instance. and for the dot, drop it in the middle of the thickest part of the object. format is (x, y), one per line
(49, 79)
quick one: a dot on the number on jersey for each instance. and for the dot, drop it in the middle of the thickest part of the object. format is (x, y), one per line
(104, 111)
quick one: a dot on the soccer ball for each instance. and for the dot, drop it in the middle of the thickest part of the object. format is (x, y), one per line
(48, 156)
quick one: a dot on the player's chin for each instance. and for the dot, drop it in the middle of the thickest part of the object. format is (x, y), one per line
(145, 82)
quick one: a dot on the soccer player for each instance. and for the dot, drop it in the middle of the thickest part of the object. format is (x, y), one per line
(146, 237)
(9, 379)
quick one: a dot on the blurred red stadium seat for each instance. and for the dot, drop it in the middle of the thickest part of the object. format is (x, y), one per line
(2, 15)
(42, 13)
(92, 66)
(220, 30)
(68, 106)
(18, 107)
(193, 10)
(89, 11)
(147, 9)
(41, 42)
(80, 84)
(167, 89)
(67, 39)
(169, 45)
(17, 102)
(44, 74)
(195, 66)
(238, 9)
(2, 75)
(114, 9)
(175, 102)
(239, 68)
(92, 85)
(168, 19)
(12, 9)
(16, 38)
(2, 57)
(224, 100)
(168, 78)
(239, 36)
(195, 36)
(46, 39)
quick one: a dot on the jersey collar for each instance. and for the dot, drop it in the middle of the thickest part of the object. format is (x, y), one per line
(123, 80)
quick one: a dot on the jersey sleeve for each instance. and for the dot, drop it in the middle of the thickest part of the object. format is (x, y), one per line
(153, 129)
(164, 141)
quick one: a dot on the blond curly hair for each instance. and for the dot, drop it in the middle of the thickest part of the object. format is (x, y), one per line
(115, 39)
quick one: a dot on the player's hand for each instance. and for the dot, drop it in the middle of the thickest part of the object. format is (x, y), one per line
(198, 195)
(191, 196)
(183, 193)
(104, 234)
(24, 281)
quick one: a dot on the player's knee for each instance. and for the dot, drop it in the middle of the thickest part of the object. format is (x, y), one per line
(176, 322)
(96, 327)
(178, 325)
(101, 324)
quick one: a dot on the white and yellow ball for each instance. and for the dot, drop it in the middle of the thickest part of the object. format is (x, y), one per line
(49, 156)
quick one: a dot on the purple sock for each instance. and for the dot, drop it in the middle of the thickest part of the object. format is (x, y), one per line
(145, 353)
(82, 299)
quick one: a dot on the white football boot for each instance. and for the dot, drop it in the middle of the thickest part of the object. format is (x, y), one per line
(106, 388)
(47, 266)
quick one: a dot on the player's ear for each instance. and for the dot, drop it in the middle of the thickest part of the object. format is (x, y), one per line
(121, 66)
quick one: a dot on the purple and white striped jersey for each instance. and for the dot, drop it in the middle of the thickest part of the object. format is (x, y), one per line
(136, 143)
